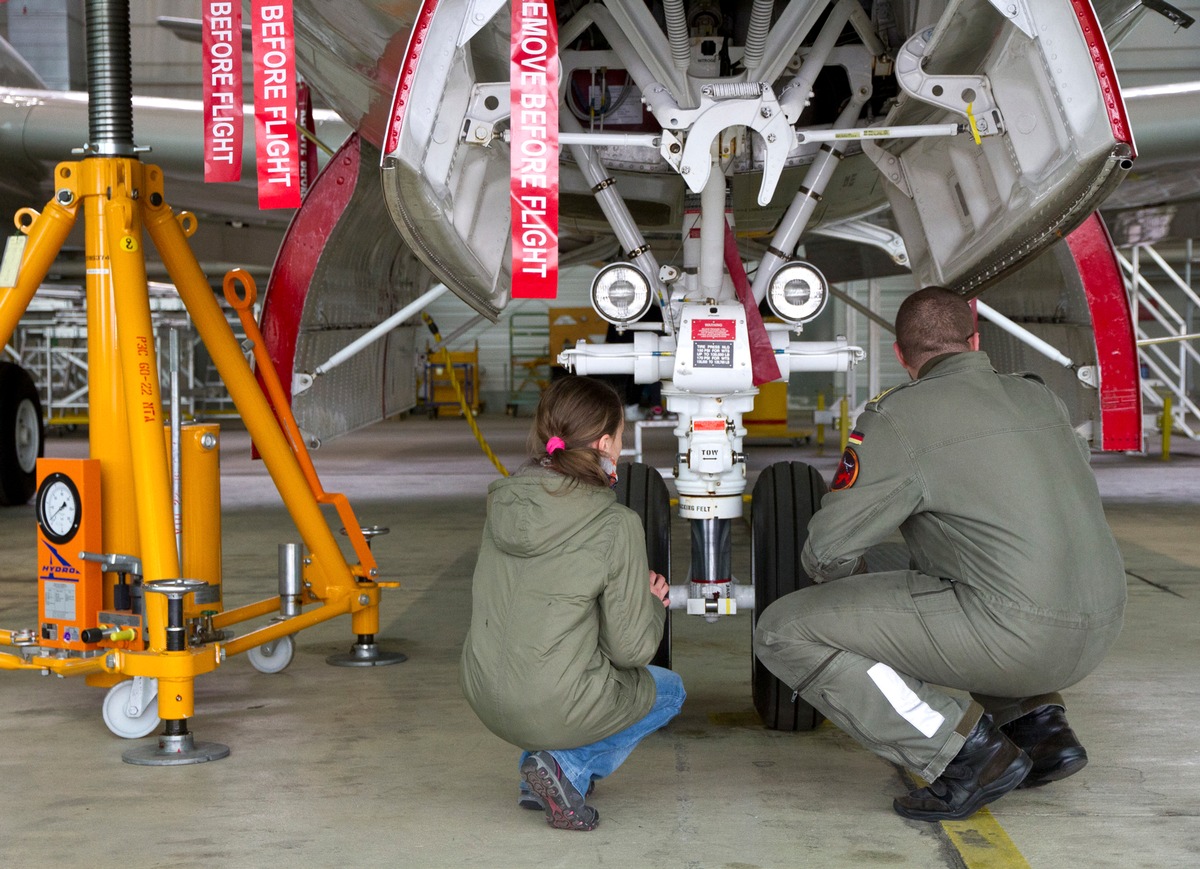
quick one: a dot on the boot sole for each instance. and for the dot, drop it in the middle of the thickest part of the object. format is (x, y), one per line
(1066, 765)
(544, 783)
(1011, 780)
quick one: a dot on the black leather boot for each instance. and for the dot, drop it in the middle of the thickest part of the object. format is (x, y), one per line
(1051, 744)
(987, 767)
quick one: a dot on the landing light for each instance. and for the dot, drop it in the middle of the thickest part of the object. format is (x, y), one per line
(797, 293)
(621, 293)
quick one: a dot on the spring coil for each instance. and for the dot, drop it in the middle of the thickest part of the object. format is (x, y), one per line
(110, 84)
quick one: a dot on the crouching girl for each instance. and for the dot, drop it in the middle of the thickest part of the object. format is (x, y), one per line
(565, 613)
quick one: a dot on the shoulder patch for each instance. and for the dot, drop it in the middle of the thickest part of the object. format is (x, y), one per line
(856, 437)
(847, 471)
(881, 396)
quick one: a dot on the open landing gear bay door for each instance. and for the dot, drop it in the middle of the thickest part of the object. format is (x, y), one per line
(1042, 131)
(1036, 83)
(445, 175)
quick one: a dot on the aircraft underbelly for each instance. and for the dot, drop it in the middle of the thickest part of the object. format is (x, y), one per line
(350, 52)
(969, 211)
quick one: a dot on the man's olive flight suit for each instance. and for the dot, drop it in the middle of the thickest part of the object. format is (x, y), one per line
(1018, 588)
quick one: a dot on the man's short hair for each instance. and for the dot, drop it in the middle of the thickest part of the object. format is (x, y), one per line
(932, 321)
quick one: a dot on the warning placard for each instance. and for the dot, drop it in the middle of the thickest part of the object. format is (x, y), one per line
(714, 330)
(712, 354)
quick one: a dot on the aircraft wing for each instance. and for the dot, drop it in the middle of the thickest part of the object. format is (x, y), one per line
(39, 128)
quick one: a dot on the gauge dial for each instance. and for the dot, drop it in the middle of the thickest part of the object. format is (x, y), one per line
(797, 293)
(58, 508)
(621, 293)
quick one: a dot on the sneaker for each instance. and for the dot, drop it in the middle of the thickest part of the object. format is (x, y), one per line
(527, 799)
(564, 807)
(987, 767)
(1051, 744)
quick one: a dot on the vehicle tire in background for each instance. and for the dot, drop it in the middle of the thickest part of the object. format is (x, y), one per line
(21, 434)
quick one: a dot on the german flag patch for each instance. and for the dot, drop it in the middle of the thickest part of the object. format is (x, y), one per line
(855, 438)
(847, 471)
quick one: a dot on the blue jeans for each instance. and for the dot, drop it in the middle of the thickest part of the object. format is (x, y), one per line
(588, 762)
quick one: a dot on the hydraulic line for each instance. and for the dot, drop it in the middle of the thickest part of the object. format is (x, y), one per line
(677, 32)
(756, 36)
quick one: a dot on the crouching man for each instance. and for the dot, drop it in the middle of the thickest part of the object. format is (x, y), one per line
(1017, 591)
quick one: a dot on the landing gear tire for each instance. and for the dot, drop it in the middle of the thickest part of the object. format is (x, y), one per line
(641, 488)
(784, 500)
(273, 657)
(20, 434)
(124, 723)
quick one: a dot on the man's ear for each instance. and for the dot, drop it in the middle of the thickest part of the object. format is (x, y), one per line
(973, 341)
(912, 372)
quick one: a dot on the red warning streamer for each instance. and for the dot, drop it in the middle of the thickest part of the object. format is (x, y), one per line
(308, 150)
(221, 44)
(277, 146)
(762, 354)
(533, 73)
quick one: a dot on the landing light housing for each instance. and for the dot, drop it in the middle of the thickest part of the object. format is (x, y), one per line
(621, 293)
(798, 292)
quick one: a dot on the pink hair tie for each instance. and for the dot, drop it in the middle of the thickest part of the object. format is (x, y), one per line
(553, 444)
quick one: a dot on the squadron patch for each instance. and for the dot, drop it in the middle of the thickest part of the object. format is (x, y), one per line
(847, 471)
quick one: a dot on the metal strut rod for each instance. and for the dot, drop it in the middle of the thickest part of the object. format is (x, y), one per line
(110, 83)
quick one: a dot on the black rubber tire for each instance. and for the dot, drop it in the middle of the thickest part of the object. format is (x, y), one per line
(641, 488)
(785, 497)
(20, 424)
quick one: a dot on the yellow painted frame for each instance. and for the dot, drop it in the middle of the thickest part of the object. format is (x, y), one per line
(121, 198)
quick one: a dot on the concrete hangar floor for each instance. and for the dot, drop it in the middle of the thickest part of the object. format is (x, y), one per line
(387, 766)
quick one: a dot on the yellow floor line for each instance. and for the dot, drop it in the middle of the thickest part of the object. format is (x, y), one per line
(981, 841)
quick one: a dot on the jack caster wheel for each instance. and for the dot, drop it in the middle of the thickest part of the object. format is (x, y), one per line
(273, 657)
(129, 717)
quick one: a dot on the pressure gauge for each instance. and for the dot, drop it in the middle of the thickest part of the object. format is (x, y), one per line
(58, 507)
(621, 293)
(797, 293)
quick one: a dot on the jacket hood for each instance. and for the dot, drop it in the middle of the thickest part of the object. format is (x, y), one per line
(533, 511)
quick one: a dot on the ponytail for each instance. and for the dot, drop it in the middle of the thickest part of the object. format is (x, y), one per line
(575, 412)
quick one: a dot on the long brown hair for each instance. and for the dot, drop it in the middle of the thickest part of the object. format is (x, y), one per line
(579, 411)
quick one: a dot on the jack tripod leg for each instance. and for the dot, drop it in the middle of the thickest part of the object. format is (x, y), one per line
(332, 579)
(45, 234)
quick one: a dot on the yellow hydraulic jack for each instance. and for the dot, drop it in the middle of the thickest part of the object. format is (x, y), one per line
(122, 610)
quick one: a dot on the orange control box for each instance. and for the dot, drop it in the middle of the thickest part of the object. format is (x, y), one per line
(70, 590)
